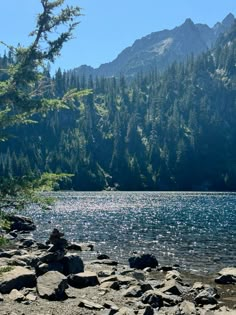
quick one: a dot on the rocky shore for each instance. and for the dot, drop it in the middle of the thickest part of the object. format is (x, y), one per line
(52, 278)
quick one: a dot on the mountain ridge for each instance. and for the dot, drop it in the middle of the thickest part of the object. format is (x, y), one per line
(160, 49)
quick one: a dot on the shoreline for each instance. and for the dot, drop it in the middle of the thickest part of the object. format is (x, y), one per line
(111, 287)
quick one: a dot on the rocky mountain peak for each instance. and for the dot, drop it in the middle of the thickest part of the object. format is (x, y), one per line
(229, 20)
(160, 49)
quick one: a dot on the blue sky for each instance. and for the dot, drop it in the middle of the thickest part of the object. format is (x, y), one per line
(109, 26)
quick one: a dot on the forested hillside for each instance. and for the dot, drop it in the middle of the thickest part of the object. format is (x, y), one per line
(176, 131)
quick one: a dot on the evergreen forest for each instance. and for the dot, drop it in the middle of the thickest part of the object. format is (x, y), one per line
(174, 130)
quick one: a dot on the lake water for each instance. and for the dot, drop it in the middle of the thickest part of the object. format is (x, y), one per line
(195, 230)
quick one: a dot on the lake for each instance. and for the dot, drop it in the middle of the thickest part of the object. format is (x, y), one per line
(195, 230)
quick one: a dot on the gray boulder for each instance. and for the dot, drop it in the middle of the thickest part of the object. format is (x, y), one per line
(83, 279)
(21, 223)
(143, 261)
(17, 278)
(72, 264)
(52, 286)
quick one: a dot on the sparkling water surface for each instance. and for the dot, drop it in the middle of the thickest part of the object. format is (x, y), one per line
(195, 230)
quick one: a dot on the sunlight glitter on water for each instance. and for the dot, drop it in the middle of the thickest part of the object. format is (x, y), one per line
(194, 230)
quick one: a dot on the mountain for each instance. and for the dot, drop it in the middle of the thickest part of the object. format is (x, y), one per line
(160, 49)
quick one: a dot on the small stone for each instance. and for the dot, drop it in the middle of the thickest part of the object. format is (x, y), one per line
(31, 297)
(166, 268)
(111, 305)
(103, 256)
(83, 279)
(125, 311)
(145, 286)
(133, 291)
(227, 276)
(110, 285)
(173, 287)
(149, 297)
(17, 296)
(173, 274)
(90, 305)
(106, 273)
(138, 275)
(108, 262)
(187, 308)
(207, 296)
(147, 311)
(1, 297)
(143, 261)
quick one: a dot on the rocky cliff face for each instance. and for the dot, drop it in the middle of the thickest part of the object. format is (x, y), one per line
(160, 49)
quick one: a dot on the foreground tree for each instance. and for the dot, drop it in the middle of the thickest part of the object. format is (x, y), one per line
(23, 88)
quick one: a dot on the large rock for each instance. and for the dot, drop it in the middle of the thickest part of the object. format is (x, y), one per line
(227, 276)
(17, 278)
(72, 264)
(52, 285)
(143, 261)
(21, 223)
(83, 279)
